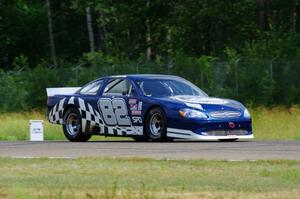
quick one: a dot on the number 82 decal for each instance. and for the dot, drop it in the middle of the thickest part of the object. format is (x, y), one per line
(114, 111)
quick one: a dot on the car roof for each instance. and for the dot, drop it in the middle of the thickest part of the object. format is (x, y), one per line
(144, 76)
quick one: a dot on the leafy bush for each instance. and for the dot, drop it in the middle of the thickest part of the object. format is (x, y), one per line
(251, 81)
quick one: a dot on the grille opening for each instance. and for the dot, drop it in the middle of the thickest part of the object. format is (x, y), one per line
(225, 114)
(226, 132)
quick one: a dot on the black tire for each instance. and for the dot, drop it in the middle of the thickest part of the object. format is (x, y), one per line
(156, 128)
(72, 126)
(228, 140)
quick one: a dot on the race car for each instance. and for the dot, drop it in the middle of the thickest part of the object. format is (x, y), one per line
(146, 108)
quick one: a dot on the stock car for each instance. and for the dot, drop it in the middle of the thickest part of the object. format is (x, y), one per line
(146, 108)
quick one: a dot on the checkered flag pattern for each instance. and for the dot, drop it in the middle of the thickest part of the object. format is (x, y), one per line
(90, 117)
(56, 114)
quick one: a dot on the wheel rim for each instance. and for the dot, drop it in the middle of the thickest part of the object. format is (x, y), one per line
(156, 124)
(73, 124)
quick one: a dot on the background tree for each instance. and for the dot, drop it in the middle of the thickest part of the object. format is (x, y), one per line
(51, 37)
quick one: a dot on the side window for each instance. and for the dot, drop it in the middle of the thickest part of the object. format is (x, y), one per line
(92, 88)
(118, 87)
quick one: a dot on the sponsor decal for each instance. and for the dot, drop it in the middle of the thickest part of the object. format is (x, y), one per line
(192, 105)
(231, 125)
(132, 101)
(140, 106)
(136, 112)
(200, 100)
(137, 120)
(135, 106)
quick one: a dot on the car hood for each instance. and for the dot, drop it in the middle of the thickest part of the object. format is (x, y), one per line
(208, 103)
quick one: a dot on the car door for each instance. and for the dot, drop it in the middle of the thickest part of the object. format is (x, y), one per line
(87, 103)
(120, 108)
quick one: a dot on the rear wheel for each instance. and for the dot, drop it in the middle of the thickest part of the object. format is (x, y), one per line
(156, 125)
(72, 126)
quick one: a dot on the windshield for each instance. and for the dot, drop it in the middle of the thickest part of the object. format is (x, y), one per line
(168, 87)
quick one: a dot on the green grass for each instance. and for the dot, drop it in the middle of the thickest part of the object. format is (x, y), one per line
(147, 178)
(276, 124)
(15, 126)
(268, 124)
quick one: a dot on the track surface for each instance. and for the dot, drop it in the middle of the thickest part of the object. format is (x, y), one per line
(253, 150)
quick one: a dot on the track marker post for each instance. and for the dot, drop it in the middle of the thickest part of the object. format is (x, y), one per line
(36, 130)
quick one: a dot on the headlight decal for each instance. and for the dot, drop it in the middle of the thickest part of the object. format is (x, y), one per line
(247, 114)
(191, 113)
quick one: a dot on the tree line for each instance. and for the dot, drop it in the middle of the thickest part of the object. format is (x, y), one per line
(56, 31)
(194, 36)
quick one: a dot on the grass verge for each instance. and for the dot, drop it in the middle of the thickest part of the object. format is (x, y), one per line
(276, 124)
(268, 124)
(147, 178)
(15, 126)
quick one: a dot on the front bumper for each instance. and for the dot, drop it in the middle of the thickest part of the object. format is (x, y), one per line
(190, 135)
(210, 129)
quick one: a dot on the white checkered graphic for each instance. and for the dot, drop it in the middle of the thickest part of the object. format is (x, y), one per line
(90, 117)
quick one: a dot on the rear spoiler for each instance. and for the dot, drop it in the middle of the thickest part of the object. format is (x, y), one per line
(61, 91)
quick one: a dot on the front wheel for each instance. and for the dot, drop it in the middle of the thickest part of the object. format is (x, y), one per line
(156, 125)
(72, 126)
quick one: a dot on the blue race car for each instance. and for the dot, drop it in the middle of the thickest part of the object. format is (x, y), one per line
(146, 107)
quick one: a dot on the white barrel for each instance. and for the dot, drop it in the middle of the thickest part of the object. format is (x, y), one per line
(36, 130)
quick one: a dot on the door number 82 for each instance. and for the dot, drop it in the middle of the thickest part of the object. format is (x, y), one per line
(114, 111)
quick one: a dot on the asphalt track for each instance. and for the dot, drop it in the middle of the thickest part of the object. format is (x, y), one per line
(233, 151)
